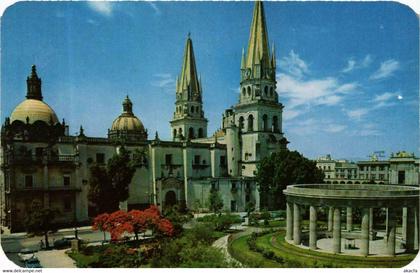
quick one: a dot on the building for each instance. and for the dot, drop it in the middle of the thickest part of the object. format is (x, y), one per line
(401, 168)
(41, 161)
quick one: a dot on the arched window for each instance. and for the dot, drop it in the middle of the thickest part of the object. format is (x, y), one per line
(266, 91)
(250, 123)
(200, 133)
(275, 125)
(265, 125)
(271, 91)
(192, 109)
(180, 132)
(191, 133)
(174, 133)
(196, 109)
(249, 91)
(241, 123)
(243, 92)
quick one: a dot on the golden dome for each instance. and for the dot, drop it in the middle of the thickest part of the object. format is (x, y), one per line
(127, 122)
(35, 110)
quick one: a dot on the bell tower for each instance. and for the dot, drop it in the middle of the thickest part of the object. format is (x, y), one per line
(188, 121)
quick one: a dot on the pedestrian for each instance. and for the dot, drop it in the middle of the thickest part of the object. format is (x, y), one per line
(41, 244)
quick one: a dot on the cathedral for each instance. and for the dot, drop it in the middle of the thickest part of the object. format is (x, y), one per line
(41, 161)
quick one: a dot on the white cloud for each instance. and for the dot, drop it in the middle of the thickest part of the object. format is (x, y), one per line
(386, 69)
(299, 92)
(289, 114)
(335, 128)
(385, 97)
(154, 7)
(352, 64)
(164, 81)
(357, 113)
(368, 130)
(293, 65)
(102, 7)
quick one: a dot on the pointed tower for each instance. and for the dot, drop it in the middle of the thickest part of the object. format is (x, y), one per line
(258, 68)
(254, 125)
(188, 121)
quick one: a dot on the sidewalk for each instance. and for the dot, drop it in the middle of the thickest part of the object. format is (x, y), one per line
(55, 259)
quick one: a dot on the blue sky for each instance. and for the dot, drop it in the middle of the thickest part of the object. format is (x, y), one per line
(347, 72)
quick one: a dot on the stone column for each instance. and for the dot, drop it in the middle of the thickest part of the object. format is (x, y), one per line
(337, 230)
(410, 226)
(296, 224)
(364, 240)
(330, 218)
(386, 223)
(312, 227)
(404, 224)
(392, 226)
(289, 219)
(349, 219)
(371, 224)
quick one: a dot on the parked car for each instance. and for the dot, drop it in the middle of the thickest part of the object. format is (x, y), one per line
(65, 241)
(26, 254)
(33, 263)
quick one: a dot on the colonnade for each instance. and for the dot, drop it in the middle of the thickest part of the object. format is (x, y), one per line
(410, 227)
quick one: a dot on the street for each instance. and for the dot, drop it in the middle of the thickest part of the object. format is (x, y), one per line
(12, 244)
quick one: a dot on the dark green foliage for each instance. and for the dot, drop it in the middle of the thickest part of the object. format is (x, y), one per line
(178, 217)
(109, 186)
(191, 250)
(215, 201)
(118, 256)
(281, 169)
(221, 222)
(249, 207)
(40, 221)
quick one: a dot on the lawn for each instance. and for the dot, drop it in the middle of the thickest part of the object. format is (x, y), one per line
(297, 257)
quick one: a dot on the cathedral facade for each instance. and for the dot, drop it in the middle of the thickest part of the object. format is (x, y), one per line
(41, 161)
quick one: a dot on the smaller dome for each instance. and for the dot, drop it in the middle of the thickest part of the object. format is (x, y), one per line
(129, 123)
(35, 110)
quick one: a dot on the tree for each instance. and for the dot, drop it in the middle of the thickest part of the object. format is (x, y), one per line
(109, 185)
(215, 201)
(101, 223)
(281, 169)
(40, 220)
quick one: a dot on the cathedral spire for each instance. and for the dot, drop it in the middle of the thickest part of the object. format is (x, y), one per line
(33, 86)
(127, 106)
(258, 48)
(188, 80)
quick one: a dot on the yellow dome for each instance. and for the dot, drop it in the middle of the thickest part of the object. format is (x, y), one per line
(35, 110)
(127, 122)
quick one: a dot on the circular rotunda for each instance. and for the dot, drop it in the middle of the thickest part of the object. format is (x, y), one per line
(398, 201)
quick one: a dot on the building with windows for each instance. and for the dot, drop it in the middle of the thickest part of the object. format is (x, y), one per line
(41, 161)
(401, 168)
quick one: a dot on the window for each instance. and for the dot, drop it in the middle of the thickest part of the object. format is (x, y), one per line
(266, 91)
(180, 132)
(174, 132)
(67, 204)
(192, 109)
(241, 123)
(233, 185)
(249, 91)
(196, 160)
(200, 133)
(39, 151)
(275, 124)
(271, 91)
(66, 180)
(100, 158)
(232, 205)
(29, 181)
(223, 160)
(243, 92)
(191, 133)
(168, 159)
(329, 168)
(381, 177)
(401, 177)
(264, 123)
(250, 123)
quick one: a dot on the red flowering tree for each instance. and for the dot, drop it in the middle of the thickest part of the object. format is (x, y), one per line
(101, 223)
(135, 221)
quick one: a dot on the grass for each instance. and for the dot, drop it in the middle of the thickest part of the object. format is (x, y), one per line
(271, 224)
(82, 260)
(296, 257)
